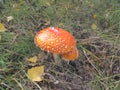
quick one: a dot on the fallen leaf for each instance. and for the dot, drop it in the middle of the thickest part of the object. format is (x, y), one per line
(94, 26)
(9, 18)
(2, 27)
(35, 73)
(94, 16)
(48, 4)
(32, 59)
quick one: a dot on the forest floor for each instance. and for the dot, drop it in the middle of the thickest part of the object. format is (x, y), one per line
(94, 23)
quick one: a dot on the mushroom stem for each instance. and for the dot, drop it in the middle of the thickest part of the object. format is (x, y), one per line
(57, 59)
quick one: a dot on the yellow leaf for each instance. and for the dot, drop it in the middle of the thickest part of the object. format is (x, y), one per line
(35, 73)
(48, 4)
(2, 27)
(32, 59)
(94, 26)
(94, 16)
(9, 18)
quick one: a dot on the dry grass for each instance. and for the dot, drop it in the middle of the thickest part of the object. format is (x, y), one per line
(98, 65)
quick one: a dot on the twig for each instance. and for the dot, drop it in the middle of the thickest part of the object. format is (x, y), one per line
(92, 63)
(7, 86)
(19, 84)
(13, 41)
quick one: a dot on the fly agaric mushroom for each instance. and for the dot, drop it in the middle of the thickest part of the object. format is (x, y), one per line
(71, 55)
(58, 41)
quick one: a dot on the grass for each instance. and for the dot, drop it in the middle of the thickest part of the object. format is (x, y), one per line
(98, 66)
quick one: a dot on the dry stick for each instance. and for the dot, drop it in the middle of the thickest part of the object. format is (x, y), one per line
(52, 78)
(14, 39)
(19, 84)
(7, 50)
(108, 78)
(7, 86)
(113, 56)
(92, 63)
(1, 69)
(88, 41)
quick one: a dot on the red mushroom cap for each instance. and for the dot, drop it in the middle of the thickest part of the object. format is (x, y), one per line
(71, 55)
(55, 40)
